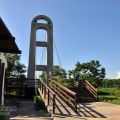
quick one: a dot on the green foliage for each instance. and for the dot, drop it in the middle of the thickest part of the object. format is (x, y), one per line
(111, 83)
(70, 83)
(38, 102)
(60, 80)
(43, 75)
(58, 73)
(111, 95)
(15, 68)
(2, 108)
(91, 71)
(2, 111)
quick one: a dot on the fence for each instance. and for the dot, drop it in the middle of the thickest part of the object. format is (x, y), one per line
(67, 95)
(20, 87)
(47, 93)
(91, 89)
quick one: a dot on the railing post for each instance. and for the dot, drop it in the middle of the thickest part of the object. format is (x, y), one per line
(54, 103)
(97, 96)
(40, 85)
(21, 86)
(45, 92)
(75, 103)
(48, 96)
(42, 88)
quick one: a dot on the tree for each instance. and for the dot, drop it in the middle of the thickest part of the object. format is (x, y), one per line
(43, 75)
(58, 73)
(88, 71)
(15, 68)
(20, 69)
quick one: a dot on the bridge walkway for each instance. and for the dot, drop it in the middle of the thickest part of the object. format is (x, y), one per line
(66, 112)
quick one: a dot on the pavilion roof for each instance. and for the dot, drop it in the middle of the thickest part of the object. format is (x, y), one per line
(7, 41)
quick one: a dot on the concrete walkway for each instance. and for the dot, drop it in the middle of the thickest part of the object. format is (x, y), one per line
(86, 111)
(93, 111)
(25, 111)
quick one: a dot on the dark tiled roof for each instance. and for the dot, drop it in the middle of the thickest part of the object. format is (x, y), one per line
(7, 41)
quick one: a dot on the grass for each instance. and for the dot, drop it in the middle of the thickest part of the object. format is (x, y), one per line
(111, 95)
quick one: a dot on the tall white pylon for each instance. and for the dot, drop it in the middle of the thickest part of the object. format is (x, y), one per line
(32, 67)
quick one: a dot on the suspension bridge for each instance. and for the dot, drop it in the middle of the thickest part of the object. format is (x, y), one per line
(60, 101)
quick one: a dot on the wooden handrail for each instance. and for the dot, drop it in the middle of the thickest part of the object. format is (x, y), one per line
(67, 95)
(29, 82)
(46, 91)
(20, 82)
(91, 89)
(19, 86)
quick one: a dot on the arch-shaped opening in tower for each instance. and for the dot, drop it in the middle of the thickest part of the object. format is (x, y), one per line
(41, 56)
(42, 17)
(42, 21)
(41, 35)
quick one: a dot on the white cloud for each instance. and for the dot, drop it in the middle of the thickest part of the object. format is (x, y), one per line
(118, 75)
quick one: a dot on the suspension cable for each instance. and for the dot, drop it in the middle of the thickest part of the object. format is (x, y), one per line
(57, 54)
(42, 56)
(43, 50)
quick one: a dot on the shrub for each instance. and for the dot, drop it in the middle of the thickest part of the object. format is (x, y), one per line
(39, 103)
(2, 110)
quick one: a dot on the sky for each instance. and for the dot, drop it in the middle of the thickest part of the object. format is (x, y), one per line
(83, 30)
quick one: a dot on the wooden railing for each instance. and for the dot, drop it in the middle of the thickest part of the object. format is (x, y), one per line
(47, 94)
(91, 89)
(20, 86)
(67, 95)
(20, 82)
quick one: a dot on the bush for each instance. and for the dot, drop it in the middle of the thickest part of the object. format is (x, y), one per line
(39, 103)
(111, 95)
(2, 111)
(111, 83)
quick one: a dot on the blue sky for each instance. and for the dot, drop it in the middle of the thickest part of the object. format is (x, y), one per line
(84, 30)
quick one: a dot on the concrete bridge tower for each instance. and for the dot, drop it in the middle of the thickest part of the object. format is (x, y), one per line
(48, 26)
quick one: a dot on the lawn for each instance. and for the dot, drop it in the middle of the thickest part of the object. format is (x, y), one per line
(111, 95)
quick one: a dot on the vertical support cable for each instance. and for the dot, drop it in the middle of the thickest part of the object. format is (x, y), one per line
(57, 54)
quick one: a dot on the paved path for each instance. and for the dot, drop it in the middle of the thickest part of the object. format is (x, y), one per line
(86, 111)
(93, 111)
(26, 111)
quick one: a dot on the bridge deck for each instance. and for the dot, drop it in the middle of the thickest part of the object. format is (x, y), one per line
(63, 111)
